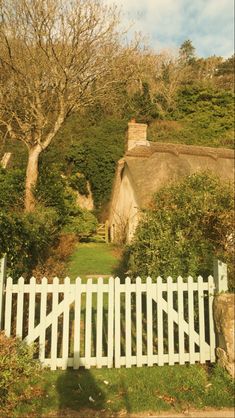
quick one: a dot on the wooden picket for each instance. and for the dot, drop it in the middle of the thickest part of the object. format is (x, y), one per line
(112, 323)
(199, 348)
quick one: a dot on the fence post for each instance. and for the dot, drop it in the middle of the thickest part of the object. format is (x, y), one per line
(107, 232)
(220, 276)
(3, 266)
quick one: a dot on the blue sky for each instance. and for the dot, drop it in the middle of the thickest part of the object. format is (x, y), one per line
(167, 23)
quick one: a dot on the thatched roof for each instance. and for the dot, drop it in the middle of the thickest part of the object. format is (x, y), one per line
(151, 167)
(177, 149)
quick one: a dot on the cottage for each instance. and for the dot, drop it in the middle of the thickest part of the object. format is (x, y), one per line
(148, 166)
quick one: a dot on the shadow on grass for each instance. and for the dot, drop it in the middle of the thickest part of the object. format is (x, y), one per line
(80, 395)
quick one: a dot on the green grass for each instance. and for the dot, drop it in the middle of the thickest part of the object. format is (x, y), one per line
(114, 391)
(93, 259)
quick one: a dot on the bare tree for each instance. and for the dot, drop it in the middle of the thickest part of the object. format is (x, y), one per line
(56, 56)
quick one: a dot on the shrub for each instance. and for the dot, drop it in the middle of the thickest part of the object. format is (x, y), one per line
(95, 153)
(26, 238)
(51, 190)
(82, 223)
(65, 246)
(89, 146)
(79, 183)
(57, 258)
(142, 105)
(188, 224)
(11, 189)
(17, 370)
(202, 115)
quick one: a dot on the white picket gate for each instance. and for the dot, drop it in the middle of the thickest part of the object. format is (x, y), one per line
(113, 324)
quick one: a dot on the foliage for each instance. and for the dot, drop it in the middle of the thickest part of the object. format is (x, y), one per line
(57, 258)
(90, 147)
(81, 222)
(17, 369)
(142, 106)
(26, 238)
(188, 224)
(51, 191)
(79, 183)
(11, 189)
(91, 143)
(95, 154)
(204, 116)
(227, 66)
(208, 112)
(187, 52)
(225, 74)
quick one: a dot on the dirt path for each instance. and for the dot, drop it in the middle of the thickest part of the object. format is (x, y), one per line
(210, 413)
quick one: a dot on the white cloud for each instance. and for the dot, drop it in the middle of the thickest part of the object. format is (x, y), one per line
(167, 23)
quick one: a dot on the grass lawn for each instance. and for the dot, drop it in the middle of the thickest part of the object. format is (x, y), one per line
(118, 392)
(93, 259)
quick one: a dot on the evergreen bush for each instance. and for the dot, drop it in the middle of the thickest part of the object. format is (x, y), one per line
(188, 224)
(83, 224)
(26, 238)
(12, 189)
(17, 370)
(95, 153)
(79, 183)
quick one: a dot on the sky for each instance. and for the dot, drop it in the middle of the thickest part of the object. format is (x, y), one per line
(168, 23)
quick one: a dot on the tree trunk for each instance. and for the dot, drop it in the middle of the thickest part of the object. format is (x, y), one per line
(31, 178)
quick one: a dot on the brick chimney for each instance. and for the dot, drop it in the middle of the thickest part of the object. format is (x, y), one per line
(137, 134)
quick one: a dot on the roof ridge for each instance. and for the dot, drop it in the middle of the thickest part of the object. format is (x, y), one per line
(176, 149)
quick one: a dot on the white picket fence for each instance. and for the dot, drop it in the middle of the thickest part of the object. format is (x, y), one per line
(113, 324)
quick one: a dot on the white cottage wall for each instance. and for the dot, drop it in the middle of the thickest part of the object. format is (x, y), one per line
(125, 216)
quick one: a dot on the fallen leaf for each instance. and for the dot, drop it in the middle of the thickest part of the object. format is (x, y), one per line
(168, 399)
(91, 399)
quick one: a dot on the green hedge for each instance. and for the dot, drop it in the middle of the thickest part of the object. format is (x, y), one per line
(12, 189)
(188, 224)
(26, 238)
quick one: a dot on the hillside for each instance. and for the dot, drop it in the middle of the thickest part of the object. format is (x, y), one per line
(203, 116)
(92, 146)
